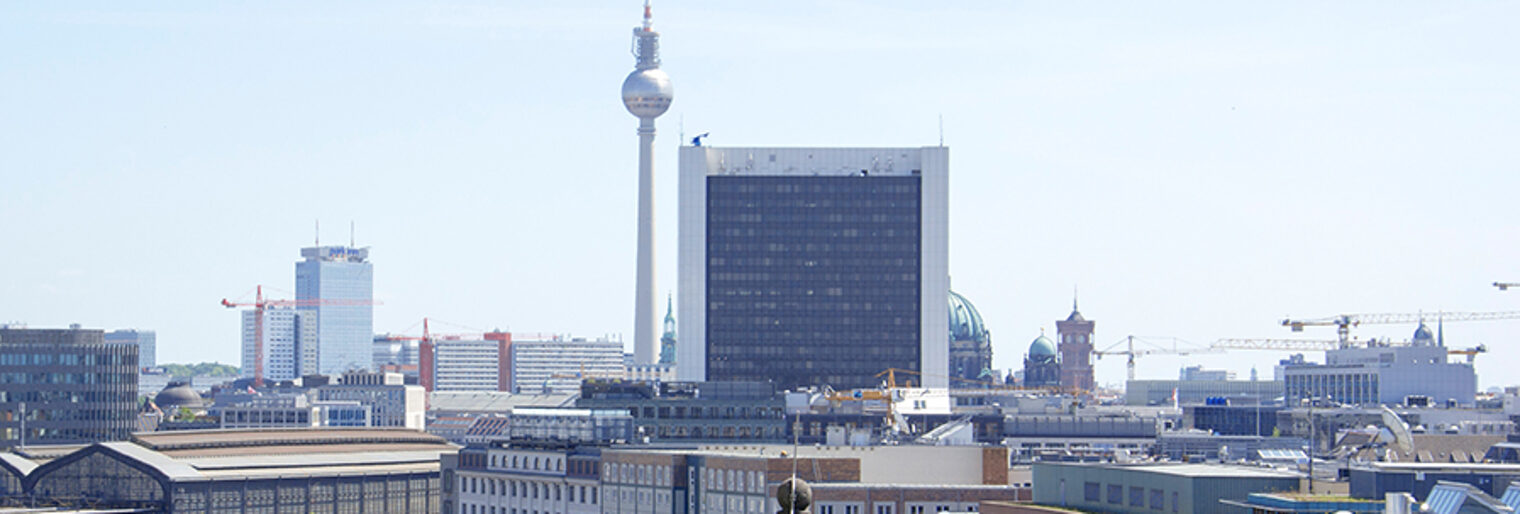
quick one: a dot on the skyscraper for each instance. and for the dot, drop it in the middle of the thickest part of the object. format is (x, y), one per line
(289, 343)
(812, 266)
(337, 284)
(647, 94)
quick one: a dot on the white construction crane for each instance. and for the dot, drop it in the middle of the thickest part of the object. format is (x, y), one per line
(1155, 349)
(1344, 322)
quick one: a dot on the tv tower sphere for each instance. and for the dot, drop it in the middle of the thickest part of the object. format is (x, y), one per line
(647, 93)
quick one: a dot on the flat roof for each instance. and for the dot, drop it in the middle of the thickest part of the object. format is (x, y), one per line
(1191, 470)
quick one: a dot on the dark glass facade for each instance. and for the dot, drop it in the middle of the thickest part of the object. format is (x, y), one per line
(77, 388)
(812, 280)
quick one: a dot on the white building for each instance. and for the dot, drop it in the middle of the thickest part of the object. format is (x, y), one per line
(392, 403)
(1384, 374)
(813, 266)
(556, 365)
(466, 365)
(289, 343)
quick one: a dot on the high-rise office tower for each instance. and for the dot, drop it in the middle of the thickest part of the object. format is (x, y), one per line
(647, 94)
(337, 284)
(146, 341)
(1076, 345)
(812, 266)
(290, 337)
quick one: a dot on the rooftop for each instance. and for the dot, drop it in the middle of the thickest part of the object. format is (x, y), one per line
(1190, 470)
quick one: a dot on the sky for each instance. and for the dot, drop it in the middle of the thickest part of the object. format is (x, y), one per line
(1195, 170)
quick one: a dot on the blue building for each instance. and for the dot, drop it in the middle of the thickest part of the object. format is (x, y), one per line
(337, 283)
(813, 266)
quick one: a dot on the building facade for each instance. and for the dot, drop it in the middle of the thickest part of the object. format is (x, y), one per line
(1075, 334)
(336, 283)
(65, 386)
(392, 403)
(813, 266)
(290, 348)
(466, 364)
(557, 365)
(146, 341)
(1384, 374)
(1167, 487)
(694, 412)
(239, 471)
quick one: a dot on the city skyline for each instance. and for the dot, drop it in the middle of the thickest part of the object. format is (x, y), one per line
(1199, 171)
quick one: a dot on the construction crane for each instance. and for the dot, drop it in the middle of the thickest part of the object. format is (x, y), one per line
(1504, 286)
(1276, 344)
(260, 303)
(1344, 322)
(1130, 351)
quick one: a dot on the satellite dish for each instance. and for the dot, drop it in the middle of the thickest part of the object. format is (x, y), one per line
(1402, 440)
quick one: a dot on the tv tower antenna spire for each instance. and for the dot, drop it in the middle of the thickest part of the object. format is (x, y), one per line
(647, 94)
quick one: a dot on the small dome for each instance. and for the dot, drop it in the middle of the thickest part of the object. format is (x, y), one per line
(965, 321)
(177, 394)
(1042, 346)
(1423, 335)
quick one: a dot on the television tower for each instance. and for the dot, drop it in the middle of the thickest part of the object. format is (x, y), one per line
(646, 94)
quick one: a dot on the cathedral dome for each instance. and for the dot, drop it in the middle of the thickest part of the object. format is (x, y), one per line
(965, 321)
(1042, 347)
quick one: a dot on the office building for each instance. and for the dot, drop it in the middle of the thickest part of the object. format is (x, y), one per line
(238, 471)
(547, 477)
(289, 343)
(397, 354)
(1198, 373)
(557, 365)
(392, 403)
(65, 386)
(686, 411)
(336, 283)
(146, 341)
(1387, 374)
(1161, 487)
(291, 411)
(731, 479)
(1183, 392)
(467, 363)
(813, 266)
(1076, 346)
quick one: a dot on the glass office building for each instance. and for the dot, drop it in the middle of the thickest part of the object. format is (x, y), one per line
(337, 283)
(145, 340)
(810, 266)
(65, 386)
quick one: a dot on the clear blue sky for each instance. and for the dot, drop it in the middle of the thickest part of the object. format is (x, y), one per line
(1199, 169)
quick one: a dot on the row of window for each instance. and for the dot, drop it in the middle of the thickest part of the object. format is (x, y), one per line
(1137, 496)
(528, 490)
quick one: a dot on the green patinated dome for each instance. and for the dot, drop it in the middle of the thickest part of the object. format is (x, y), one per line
(1042, 346)
(965, 321)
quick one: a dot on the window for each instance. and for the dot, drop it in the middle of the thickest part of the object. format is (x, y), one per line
(884, 509)
(1091, 492)
(851, 509)
(1174, 501)
(1115, 494)
(1158, 500)
(916, 509)
(1136, 496)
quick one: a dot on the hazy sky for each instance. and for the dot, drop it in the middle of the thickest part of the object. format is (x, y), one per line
(1200, 170)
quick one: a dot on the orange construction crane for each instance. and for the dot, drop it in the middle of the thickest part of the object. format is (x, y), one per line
(259, 304)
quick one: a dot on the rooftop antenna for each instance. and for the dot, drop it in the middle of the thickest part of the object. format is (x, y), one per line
(1074, 298)
(351, 234)
(317, 235)
(942, 130)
